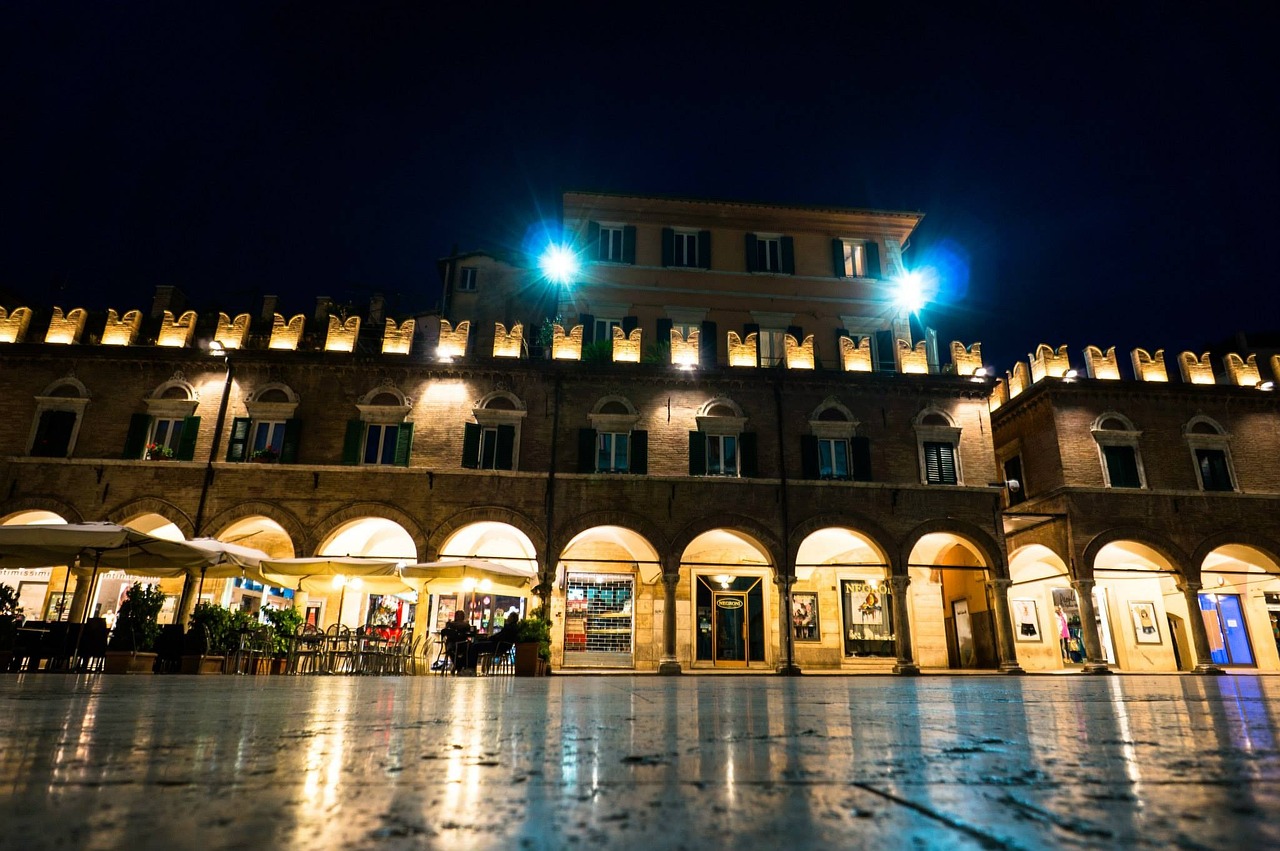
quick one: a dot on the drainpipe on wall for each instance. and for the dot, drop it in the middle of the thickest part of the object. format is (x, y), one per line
(549, 568)
(785, 572)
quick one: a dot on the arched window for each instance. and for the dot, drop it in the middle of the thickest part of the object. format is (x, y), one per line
(832, 449)
(938, 442)
(1118, 450)
(270, 432)
(492, 442)
(59, 412)
(169, 428)
(382, 434)
(720, 446)
(613, 444)
(1210, 447)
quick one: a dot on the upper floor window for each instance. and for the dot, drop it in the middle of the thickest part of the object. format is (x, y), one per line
(610, 243)
(720, 447)
(59, 412)
(1117, 440)
(613, 444)
(1211, 450)
(833, 450)
(604, 328)
(168, 429)
(685, 249)
(770, 253)
(771, 346)
(938, 441)
(467, 279)
(270, 432)
(854, 258)
(382, 435)
(1015, 485)
(492, 442)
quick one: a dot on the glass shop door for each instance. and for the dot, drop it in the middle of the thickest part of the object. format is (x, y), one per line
(730, 629)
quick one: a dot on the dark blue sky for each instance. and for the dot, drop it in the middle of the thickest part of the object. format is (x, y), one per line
(1095, 169)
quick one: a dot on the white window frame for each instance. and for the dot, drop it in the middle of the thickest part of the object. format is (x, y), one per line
(490, 418)
(684, 249)
(381, 429)
(855, 258)
(467, 279)
(73, 404)
(603, 328)
(1128, 436)
(274, 436)
(718, 427)
(172, 436)
(1220, 442)
(613, 424)
(612, 236)
(769, 248)
(612, 439)
(937, 434)
(833, 432)
(382, 415)
(774, 351)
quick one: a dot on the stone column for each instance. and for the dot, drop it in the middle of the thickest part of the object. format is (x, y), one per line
(668, 664)
(902, 627)
(786, 638)
(1199, 635)
(1005, 649)
(301, 597)
(1095, 661)
(79, 599)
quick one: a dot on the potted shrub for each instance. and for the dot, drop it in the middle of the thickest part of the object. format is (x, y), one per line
(285, 622)
(202, 651)
(8, 625)
(130, 649)
(533, 645)
(264, 456)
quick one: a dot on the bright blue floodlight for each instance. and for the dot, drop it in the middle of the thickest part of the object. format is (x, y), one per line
(910, 294)
(559, 264)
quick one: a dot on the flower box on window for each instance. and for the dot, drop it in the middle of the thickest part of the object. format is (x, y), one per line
(264, 456)
(156, 452)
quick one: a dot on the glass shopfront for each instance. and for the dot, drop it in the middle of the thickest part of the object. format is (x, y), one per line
(868, 618)
(730, 620)
(1224, 622)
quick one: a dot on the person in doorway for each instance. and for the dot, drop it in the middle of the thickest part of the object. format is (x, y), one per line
(1064, 635)
(456, 637)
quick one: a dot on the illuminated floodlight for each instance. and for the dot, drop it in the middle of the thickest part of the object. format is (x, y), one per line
(559, 264)
(910, 293)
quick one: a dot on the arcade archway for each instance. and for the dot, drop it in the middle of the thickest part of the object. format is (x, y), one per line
(953, 624)
(730, 578)
(608, 575)
(1240, 603)
(852, 628)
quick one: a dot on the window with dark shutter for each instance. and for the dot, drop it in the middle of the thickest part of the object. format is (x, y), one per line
(505, 459)
(809, 456)
(292, 436)
(353, 442)
(704, 249)
(697, 453)
(1215, 474)
(788, 259)
(471, 445)
(186, 449)
(1122, 466)
(586, 450)
(640, 452)
(404, 445)
(238, 443)
(135, 442)
(860, 450)
(940, 463)
(1013, 473)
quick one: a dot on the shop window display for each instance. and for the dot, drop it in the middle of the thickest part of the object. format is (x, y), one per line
(868, 618)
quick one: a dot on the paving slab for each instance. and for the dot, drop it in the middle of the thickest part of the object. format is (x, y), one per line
(104, 762)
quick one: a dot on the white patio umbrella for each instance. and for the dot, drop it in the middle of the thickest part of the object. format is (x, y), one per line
(503, 575)
(232, 560)
(317, 575)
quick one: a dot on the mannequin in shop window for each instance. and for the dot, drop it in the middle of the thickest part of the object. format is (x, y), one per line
(1064, 635)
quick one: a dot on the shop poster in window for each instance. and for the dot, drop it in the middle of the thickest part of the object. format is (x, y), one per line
(804, 616)
(1026, 620)
(1145, 628)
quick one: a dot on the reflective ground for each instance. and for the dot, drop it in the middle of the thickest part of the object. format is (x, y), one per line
(620, 762)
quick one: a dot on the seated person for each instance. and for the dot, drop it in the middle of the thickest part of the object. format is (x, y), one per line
(499, 642)
(455, 635)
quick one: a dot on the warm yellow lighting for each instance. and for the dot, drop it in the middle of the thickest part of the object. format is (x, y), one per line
(855, 357)
(342, 335)
(966, 361)
(799, 353)
(913, 361)
(684, 351)
(1195, 371)
(13, 326)
(398, 341)
(1149, 367)
(286, 336)
(1047, 362)
(508, 344)
(742, 351)
(1102, 365)
(1017, 380)
(232, 334)
(626, 347)
(485, 585)
(469, 584)
(121, 331)
(356, 583)
(566, 346)
(66, 330)
(176, 333)
(453, 341)
(1243, 372)
(339, 581)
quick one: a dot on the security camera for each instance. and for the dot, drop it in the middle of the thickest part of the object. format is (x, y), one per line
(1013, 485)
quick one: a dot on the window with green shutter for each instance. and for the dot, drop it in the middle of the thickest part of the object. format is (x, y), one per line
(940, 463)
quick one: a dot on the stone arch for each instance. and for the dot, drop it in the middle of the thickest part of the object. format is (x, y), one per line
(385, 390)
(1202, 420)
(500, 394)
(1170, 551)
(64, 510)
(933, 411)
(1099, 423)
(712, 404)
(133, 509)
(980, 538)
(864, 526)
(635, 522)
(1262, 544)
(71, 381)
(831, 403)
(598, 407)
(176, 383)
(735, 522)
(259, 392)
(359, 510)
(302, 543)
(480, 514)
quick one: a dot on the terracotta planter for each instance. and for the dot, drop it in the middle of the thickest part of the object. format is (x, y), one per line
(527, 660)
(278, 666)
(123, 662)
(201, 665)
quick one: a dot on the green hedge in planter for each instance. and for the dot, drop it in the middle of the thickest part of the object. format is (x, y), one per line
(222, 626)
(536, 628)
(136, 629)
(285, 623)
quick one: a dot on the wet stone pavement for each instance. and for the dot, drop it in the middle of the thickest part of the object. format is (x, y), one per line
(694, 762)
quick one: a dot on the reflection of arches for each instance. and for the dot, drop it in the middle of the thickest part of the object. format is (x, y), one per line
(39, 503)
(481, 514)
(1167, 551)
(327, 528)
(126, 514)
(760, 536)
(973, 538)
(299, 540)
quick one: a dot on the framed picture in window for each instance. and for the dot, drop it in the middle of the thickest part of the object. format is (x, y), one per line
(804, 616)
(1026, 620)
(1145, 628)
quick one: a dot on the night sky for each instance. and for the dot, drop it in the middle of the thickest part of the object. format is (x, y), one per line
(1086, 171)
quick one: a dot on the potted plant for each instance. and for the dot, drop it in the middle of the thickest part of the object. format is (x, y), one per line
(132, 640)
(157, 452)
(8, 625)
(285, 622)
(264, 456)
(546, 335)
(202, 651)
(533, 645)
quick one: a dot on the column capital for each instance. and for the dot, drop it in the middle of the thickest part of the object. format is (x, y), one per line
(1188, 586)
(999, 583)
(1083, 585)
(899, 582)
(672, 579)
(783, 580)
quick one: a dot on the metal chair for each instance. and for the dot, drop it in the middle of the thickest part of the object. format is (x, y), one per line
(306, 651)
